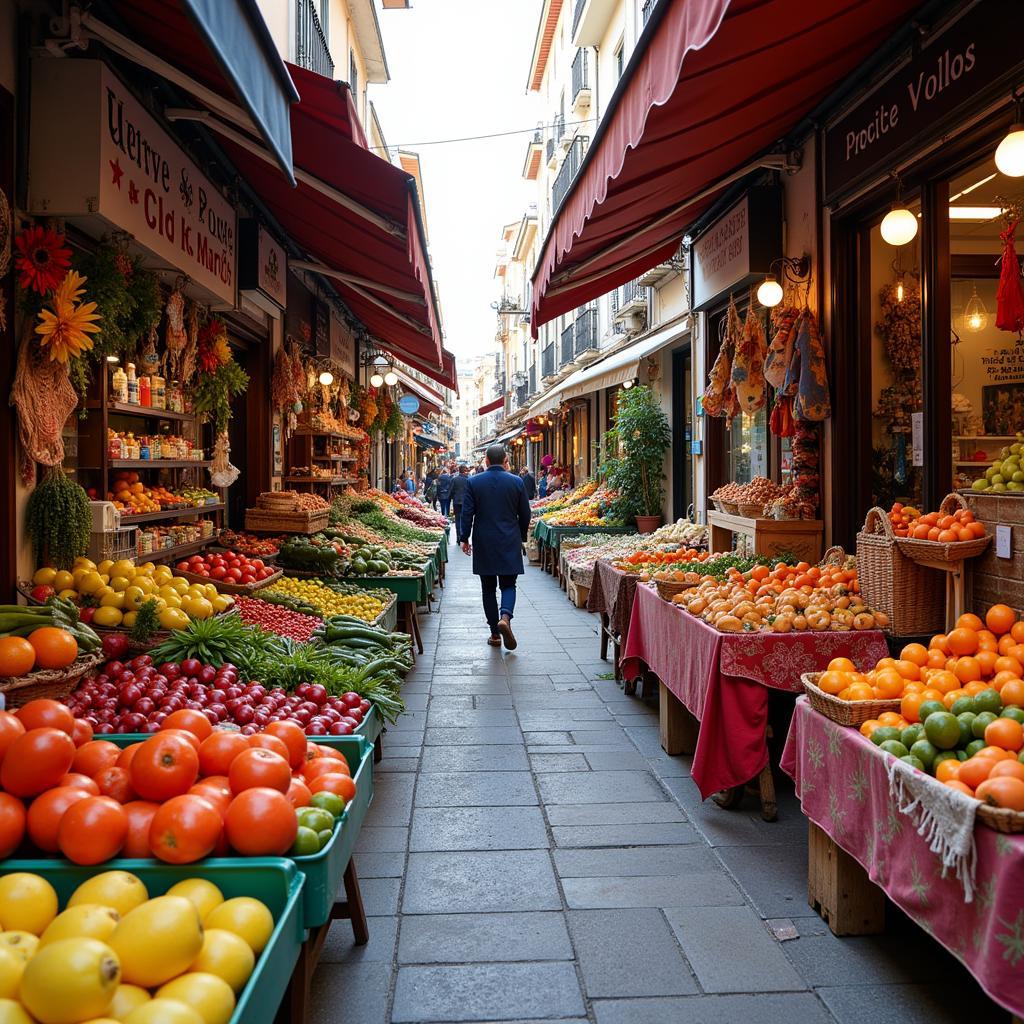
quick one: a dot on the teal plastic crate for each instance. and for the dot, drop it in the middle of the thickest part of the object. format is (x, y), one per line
(369, 728)
(274, 881)
(324, 870)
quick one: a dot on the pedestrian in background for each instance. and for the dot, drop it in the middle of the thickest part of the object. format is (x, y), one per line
(528, 482)
(444, 491)
(430, 487)
(493, 527)
(542, 484)
(410, 481)
(457, 492)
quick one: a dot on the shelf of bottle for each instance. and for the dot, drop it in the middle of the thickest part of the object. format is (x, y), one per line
(171, 513)
(149, 413)
(158, 463)
(985, 437)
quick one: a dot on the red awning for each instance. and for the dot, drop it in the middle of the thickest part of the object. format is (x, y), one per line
(492, 406)
(354, 213)
(712, 84)
(446, 375)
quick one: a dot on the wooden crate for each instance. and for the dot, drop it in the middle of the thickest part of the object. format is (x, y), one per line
(839, 889)
(678, 727)
(578, 593)
(769, 536)
(533, 550)
(260, 520)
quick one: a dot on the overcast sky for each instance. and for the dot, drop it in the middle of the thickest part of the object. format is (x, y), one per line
(458, 68)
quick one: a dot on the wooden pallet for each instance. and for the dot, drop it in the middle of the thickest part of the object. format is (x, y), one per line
(839, 890)
(577, 592)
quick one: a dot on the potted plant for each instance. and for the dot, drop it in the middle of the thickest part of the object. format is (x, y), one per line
(635, 468)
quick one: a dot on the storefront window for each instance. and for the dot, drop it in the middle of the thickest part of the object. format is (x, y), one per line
(987, 400)
(897, 400)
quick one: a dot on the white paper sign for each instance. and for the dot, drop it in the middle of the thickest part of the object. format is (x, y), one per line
(917, 438)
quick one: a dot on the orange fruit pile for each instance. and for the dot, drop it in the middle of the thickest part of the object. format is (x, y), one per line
(909, 522)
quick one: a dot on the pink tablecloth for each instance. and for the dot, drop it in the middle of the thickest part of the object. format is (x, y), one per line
(843, 788)
(723, 679)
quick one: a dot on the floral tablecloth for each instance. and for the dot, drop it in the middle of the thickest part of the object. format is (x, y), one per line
(843, 787)
(724, 678)
(612, 592)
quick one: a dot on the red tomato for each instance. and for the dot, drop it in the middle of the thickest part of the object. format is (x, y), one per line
(12, 824)
(47, 714)
(218, 750)
(334, 782)
(268, 741)
(314, 751)
(298, 793)
(115, 782)
(185, 829)
(261, 822)
(190, 737)
(321, 766)
(165, 766)
(36, 761)
(10, 729)
(128, 755)
(259, 768)
(140, 815)
(334, 754)
(92, 830)
(191, 721)
(45, 812)
(220, 798)
(79, 781)
(82, 733)
(92, 757)
(294, 739)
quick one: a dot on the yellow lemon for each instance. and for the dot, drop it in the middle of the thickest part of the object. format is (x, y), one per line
(119, 583)
(221, 603)
(173, 618)
(129, 619)
(210, 996)
(112, 599)
(209, 591)
(146, 584)
(147, 567)
(105, 566)
(204, 894)
(70, 980)
(227, 955)
(126, 999)
(23, 943)
(124, 567)
(133, 597)
(246, 917)
(162, 573)
(12, 966)
(13, 1013)
(85, 563)
(82, 921)
(163, 1011)
(90, 582)
(158, 940)
(27, 902)
(107, 616)
(44, 577)
(118, 889)
(179, 583)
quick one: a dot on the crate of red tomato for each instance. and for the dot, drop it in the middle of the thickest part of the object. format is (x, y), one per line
(230, 572)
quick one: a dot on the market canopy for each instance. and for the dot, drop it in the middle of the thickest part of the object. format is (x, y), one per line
(608, 372)
(491, 406)
(711, 86)
(447, 375)
(428, 442)
(218, 50)
(428, 396)
(357, 216)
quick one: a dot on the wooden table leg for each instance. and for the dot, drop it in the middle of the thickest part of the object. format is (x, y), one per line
(405, 622)
(414, 626)
(616, 658)
(839, 889)
(604, 636)
(351, 908)
(378, 749)
(677, 726)
(766, 788)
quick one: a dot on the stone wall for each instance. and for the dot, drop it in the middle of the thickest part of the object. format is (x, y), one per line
(991, 579)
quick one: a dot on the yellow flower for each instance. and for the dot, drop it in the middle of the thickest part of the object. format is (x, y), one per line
(65, 331)
(222, 350)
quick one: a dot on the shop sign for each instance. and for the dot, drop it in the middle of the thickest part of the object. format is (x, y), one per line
(321, 328)
(96, 151)
(738, 247)
(262, 265)
(343, 347)
(973, 55)
(409, 404)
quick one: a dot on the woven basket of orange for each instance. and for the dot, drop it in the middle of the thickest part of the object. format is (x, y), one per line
(949, 535)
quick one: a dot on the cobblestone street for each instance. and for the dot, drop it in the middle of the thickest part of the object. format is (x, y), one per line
(532, 854)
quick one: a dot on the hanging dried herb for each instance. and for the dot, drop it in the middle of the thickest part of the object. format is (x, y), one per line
(213, 393)
(58, 520)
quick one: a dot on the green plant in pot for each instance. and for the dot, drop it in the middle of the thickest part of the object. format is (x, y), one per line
(635, 462)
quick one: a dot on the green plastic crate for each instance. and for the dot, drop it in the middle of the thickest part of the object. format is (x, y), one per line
(272, 880)
(369, 728)
(324, 870)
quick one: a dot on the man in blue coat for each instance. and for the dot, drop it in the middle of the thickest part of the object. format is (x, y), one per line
(493, 527)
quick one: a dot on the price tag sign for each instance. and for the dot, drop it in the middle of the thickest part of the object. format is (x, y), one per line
(917, 438)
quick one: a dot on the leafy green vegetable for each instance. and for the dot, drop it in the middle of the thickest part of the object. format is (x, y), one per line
(147, 622)
(58, 520)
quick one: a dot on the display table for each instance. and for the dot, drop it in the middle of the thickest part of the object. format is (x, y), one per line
(611, 597)
(723, 679)
(411, 592)
(549, 539)
(770, 536)
(843, 787)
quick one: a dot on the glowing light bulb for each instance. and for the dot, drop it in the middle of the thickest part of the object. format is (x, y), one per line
(376, 380)
(899, 226)
(628, 384)
(975, 314)
(326, 378)
(1010, 152)
(899, 290)
(391, 378)
(770, 292)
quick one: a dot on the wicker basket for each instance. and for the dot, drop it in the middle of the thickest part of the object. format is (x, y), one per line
(260, 520)
(834, 556)
(731, 507)
(225, 587)
(936, 551)
(1002, 819)
(844, 712)
(754, 510)
(912, 595)
(667, 589)
(717, 504)
(53, 684)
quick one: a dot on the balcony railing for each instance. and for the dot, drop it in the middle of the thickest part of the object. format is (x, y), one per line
(521, 392)
(648, 7)
(311, 50)
(631, 291)
(577, 14)
(580, 73)
(547, 361)
(549, 151)
(585, 331)
(566, 352)
(558, 129)
(569, 169)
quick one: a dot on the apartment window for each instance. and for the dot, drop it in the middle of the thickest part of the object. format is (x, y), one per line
(620, 59)
(353, 75)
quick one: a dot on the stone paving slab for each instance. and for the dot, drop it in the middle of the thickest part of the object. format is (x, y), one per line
(476, 789)
(465, 938)
(797, 1008)
(478, 828)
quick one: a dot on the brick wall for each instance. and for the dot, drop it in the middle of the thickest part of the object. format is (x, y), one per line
(990, 579)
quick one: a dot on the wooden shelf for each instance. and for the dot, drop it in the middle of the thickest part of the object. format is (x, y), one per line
(313, 479)
(158, 463)
(149, 413)
(985, 437)
(171, 513)
(167, 554)
(327, 458)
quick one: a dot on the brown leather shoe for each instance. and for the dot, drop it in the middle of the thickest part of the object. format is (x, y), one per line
(508, 638)
(494, 641)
